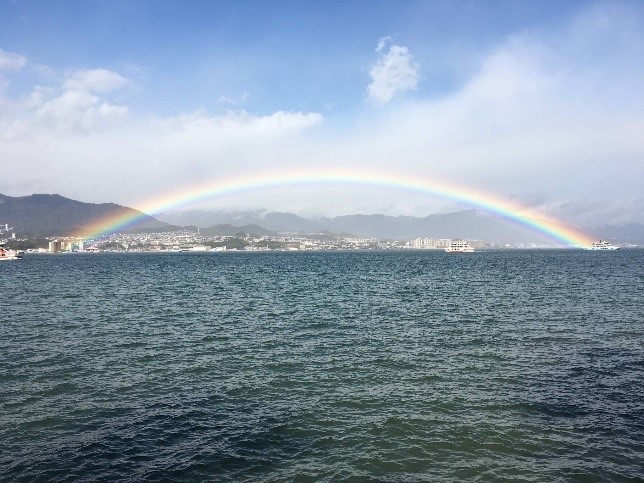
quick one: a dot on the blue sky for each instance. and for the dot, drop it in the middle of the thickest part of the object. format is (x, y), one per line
(530, 100)
(289, 55)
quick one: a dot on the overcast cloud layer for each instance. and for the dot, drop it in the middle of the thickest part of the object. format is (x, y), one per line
(552, 117)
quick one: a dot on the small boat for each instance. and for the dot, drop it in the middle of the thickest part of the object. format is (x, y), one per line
(10, 254)
(601, 245)
(459, 246)
(6, 254)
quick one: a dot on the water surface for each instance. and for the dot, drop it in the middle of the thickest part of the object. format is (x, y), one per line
(387, 366)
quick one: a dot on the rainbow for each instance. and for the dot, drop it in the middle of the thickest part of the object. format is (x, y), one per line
(495, 205)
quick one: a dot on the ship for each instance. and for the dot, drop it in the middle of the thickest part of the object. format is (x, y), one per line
(459, 246)
(601, 245)
(6, 254)
(9, 254)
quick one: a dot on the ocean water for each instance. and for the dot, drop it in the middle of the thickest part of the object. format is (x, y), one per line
(346, 366)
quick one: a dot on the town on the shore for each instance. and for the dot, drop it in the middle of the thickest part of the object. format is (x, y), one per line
(193, 241)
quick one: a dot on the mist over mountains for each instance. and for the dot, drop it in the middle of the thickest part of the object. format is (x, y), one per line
(472, 224)
(55, 215)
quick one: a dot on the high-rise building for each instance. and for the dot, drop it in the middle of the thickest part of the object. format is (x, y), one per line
(55, 246)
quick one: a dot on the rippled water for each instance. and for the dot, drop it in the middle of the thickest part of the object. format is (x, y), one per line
(385, 366)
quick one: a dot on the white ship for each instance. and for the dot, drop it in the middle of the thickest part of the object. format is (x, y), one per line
(459, 246)
(601, 245)
(9, 254)
(6, 254)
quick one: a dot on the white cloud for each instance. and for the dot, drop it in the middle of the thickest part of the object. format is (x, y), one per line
(234, 102)
(544, 114)
(226, 100)
(237, 124)
(94, 142)
(37, 97)
(95, 80)
(382, 41)
(80, 107)
(11, 61)
(79, 110)
(394, 72)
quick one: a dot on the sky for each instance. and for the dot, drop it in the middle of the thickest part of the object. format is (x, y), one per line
(541, 102)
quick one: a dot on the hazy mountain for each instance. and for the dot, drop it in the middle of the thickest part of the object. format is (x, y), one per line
(273, 221)
(631, 233)
(206, 218)
(471, 224)
(230, 230)
(55, 215)
(462, 224)
(288, 222)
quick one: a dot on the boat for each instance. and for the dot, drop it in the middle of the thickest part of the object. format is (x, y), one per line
(9, 254)
(6, 254)
(459, 246)
(601, 245)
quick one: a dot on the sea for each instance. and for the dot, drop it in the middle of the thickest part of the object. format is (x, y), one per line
(510, 365)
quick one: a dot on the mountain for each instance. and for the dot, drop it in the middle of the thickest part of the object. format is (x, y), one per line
(462, 224)
(230, 230)
(55, 215)
(631, 233)
(273, 221)
(469, 224)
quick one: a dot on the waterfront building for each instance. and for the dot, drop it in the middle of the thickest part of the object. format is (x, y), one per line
(55, 246)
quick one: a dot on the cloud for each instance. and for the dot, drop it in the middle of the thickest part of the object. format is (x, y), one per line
(38, 96)
(234, 102)
(79, 110)
(394, 72)
(81, 104)
(82, 144)
(237, 124)
(226, 100)
(79, 107)
(543, 119)
(11, 61)
(95, 80)
(382, 41)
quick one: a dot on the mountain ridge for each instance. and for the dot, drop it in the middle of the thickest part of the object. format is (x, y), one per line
(55, 215)
(469, 223)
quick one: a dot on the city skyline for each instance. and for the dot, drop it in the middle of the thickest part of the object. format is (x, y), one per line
(538, 105)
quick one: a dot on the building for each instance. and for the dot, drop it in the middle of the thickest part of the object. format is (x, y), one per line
(55, 246)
